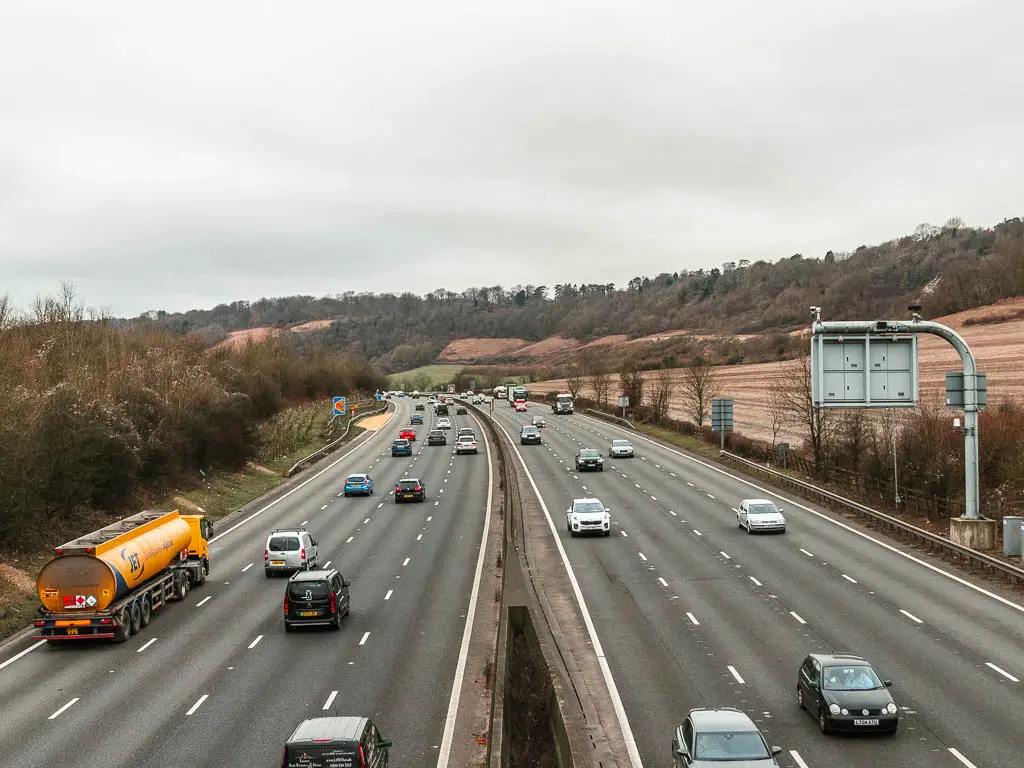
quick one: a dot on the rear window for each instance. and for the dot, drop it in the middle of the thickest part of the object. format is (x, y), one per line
(408, 484)
(529, 430)
(589, 453)
(342, 755)
(356, 479)
(589, 506)
(283, 543)
(308, 590)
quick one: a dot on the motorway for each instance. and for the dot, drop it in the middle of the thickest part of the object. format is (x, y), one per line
(215, 681)
(691, 611)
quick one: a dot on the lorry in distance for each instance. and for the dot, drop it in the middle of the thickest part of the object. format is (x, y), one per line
(105, 585)
(563, 404)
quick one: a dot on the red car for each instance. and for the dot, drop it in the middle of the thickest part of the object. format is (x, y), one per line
(407, 434)
(520, 405)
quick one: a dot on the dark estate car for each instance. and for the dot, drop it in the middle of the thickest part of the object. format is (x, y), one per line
(436, 437)
(710, 737)
(401, 448)
(419, 407)
(529, 435)
(460, 410)
(324, 742)
(589, 458)
(845, 694)
(409, 489)
(316, 599)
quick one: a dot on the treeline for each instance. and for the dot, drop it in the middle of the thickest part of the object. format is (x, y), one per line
(91, 413)
(948, 268)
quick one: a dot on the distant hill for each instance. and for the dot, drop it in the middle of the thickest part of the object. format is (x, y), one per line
(948, 269)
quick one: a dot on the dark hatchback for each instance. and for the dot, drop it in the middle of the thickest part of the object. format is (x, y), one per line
(529, 436)
(316, 599)
(436, 437)
(845, 694)
(327, 742)
(590, 459)
(410, 489)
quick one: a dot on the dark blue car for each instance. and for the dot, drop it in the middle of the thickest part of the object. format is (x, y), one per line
(401, 448)
(358, 484)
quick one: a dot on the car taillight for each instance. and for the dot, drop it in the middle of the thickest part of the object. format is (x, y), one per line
(286, 603)
(284, 757)
(266, 555)
(419, 488)
(302, 553)
(334, 602)
(362, 757)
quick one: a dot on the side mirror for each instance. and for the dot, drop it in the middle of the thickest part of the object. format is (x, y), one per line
(209, 530)
(887, 683)
(776, 750)
(386, 743)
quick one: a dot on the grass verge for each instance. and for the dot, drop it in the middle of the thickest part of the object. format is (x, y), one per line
(437, 374)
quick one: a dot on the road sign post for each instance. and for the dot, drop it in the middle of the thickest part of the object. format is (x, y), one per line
(624, 404)
(832, 358)
(721, 418)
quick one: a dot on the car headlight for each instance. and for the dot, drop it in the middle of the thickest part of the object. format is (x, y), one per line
(891, 709)
(834, 709)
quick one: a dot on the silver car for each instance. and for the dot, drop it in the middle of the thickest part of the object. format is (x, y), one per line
(289, 550)
(621, 449)
(709, 738)
(760, 515)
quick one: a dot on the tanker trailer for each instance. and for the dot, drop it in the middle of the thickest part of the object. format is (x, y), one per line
(106, 584)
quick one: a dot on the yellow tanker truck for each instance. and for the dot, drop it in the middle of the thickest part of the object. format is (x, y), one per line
(106, 584)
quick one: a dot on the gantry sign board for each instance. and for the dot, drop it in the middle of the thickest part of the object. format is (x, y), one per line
(864, 371)
(721, 414)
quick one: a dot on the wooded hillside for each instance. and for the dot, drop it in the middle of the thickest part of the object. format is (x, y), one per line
(948, 268)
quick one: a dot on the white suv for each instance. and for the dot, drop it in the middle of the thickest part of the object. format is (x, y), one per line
(588, 516)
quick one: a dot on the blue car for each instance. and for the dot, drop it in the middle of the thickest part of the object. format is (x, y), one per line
(401, 448)
(358, 484)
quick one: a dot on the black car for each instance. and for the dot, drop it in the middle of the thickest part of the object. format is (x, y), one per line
(845, 694)
(322, 742)
(419, 407)
(589, 459)
(529, 435)
(460, 411)
(440, 409)
(436, 437)
(409, 489)
(316, 599)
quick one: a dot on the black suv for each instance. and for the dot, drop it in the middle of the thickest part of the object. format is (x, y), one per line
(436, 437)
(440, 409)
(589, 458)
(316, 599)
(529, 435)
(322, 742)
(409, 489)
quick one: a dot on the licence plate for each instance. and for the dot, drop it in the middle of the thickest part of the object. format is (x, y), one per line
(277, 562)
(409, 495)
(72, 630)
(865, 722)
(308, 613)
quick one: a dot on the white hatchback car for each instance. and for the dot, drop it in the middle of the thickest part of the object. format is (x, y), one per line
(760, 515)
(588, 516)
(443, 423)
(621, 449)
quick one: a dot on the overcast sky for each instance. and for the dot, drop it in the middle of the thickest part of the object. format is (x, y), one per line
(182, 154)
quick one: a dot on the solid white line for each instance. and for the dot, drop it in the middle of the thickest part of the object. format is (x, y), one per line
(723, 554)
(22, 653)
(736, 674)
(62, 709)
(389, 594)
(796, 616)
(323, 507)
(906, 555)
(349, 539)
(247, 568)
(643, 556)
(663, 582)
(1002, 672)
(255, 642)
(673, 513)
(460, 668)
(911, 616)
(850, 579)
(305, 482)
(755, 581)
(197, 705)
(797, 759)
(330, 700)
(205, 600)
(146, 645)
(406, 562)
(692, 618)
(959, 756)
(806, 552)
(595, 642)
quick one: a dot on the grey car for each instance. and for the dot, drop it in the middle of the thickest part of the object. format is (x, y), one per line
(709, 737)
(289, 550)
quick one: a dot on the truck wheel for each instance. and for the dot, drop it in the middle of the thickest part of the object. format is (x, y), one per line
(136, 617)
(147, 610)
(204, 568)
(180, 585)
(124, 628)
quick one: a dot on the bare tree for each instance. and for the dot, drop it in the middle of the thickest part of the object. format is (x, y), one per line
(601, 383)
(661, 394)
(699, 388)
(632, 382)
(817, 424)
(853, 435)
(574, 381)
(778, 410)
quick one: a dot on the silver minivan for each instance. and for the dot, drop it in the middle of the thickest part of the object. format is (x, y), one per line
(289, 550)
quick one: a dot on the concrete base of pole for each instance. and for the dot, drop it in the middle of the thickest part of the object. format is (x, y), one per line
(978, 534)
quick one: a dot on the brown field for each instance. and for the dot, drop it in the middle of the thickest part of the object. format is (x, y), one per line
(312, 325)
(473, 349)
(548, 346)
(998, 348)
(240, 338)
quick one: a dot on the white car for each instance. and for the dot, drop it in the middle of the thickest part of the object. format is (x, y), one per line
(588, 516)
(621, 449)
(443, 423)
(465, 444)
(760, 515)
